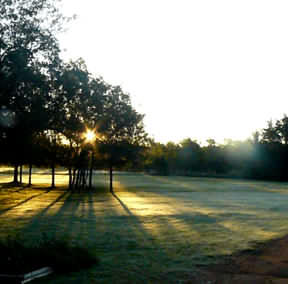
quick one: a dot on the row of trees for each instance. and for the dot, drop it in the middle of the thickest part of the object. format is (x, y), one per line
(46, 104)
(264, 156)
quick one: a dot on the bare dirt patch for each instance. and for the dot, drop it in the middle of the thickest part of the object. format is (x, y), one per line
(267, 263)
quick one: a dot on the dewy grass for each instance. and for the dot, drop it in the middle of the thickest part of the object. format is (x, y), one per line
(155, 229)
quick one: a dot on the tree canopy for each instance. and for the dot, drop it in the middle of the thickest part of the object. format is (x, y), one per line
(48, 104)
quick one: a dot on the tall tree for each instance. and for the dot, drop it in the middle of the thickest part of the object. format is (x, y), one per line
(282, 129)
(122, 130)
(190, 156)
(76, 104)
(28, 52)
(271, 134)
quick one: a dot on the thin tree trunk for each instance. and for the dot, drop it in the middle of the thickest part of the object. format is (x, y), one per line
(70, 178)
(21, 173)
(30, 174)
(74, 178)
(82, 178)
(77, 179)
(70, 167)
(111, 178)
(53, 176)
(15, 180)
(85, 177)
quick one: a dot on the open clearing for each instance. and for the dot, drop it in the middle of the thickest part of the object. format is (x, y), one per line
(154, 229)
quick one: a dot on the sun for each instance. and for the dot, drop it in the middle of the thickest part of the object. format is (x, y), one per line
(89, 135)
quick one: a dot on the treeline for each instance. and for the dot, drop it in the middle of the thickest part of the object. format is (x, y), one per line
(47, 105)
(264, 156)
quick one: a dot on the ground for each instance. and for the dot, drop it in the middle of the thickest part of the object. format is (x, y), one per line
(268, 263)
(154, 229)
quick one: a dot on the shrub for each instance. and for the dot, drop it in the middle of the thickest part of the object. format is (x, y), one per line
(18, 258)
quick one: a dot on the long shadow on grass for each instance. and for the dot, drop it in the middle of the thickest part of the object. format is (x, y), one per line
(40, 219)
(139, 223)
(235, 192)
(121, 238)
(184, 210)
(58, 199)
(13, 187)
(21, 203)
(68, 214)
(122, 204)
(235, 207)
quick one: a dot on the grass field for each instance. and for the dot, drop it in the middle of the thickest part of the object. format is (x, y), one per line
(154, 229)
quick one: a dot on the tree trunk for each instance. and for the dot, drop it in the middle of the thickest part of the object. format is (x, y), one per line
(111, 178)
(74, 178)
(86, 175)
(15, 180)
(70, 178)
(21, 173)
(82, 178)
(30, 175)
(53, 176)
(77, 178)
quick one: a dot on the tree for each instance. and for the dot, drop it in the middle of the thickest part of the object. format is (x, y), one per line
(29, 29)
(155, 159)
(211, 142)
(282, 129)
(122, 130)
(67, 104)
(76, 104)
(255, 137)
(190, 156)
(271, 134)
(43, 99)
(28, 52)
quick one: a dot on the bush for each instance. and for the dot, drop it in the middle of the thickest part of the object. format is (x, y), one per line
(18, 258)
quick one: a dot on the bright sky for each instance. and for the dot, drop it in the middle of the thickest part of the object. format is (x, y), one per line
(199, 69)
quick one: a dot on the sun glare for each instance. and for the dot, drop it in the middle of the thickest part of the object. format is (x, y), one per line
(89, 135)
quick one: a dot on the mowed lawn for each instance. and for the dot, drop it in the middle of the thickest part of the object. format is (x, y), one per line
(154, 229)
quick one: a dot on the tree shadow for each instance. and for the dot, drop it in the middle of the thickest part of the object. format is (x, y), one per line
(12, 185)
(122, 204)
(134, 220)
(22, 202)
(43, 212)
(124, 238)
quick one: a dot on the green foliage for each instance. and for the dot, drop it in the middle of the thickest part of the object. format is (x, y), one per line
(28, 51)
(263, 157)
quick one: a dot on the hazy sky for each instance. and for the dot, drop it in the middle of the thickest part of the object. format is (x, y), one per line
(199, 69)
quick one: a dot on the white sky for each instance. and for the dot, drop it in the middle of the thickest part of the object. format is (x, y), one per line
(199, 69)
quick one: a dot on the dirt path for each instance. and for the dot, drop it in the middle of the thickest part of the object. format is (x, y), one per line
(266, 264)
